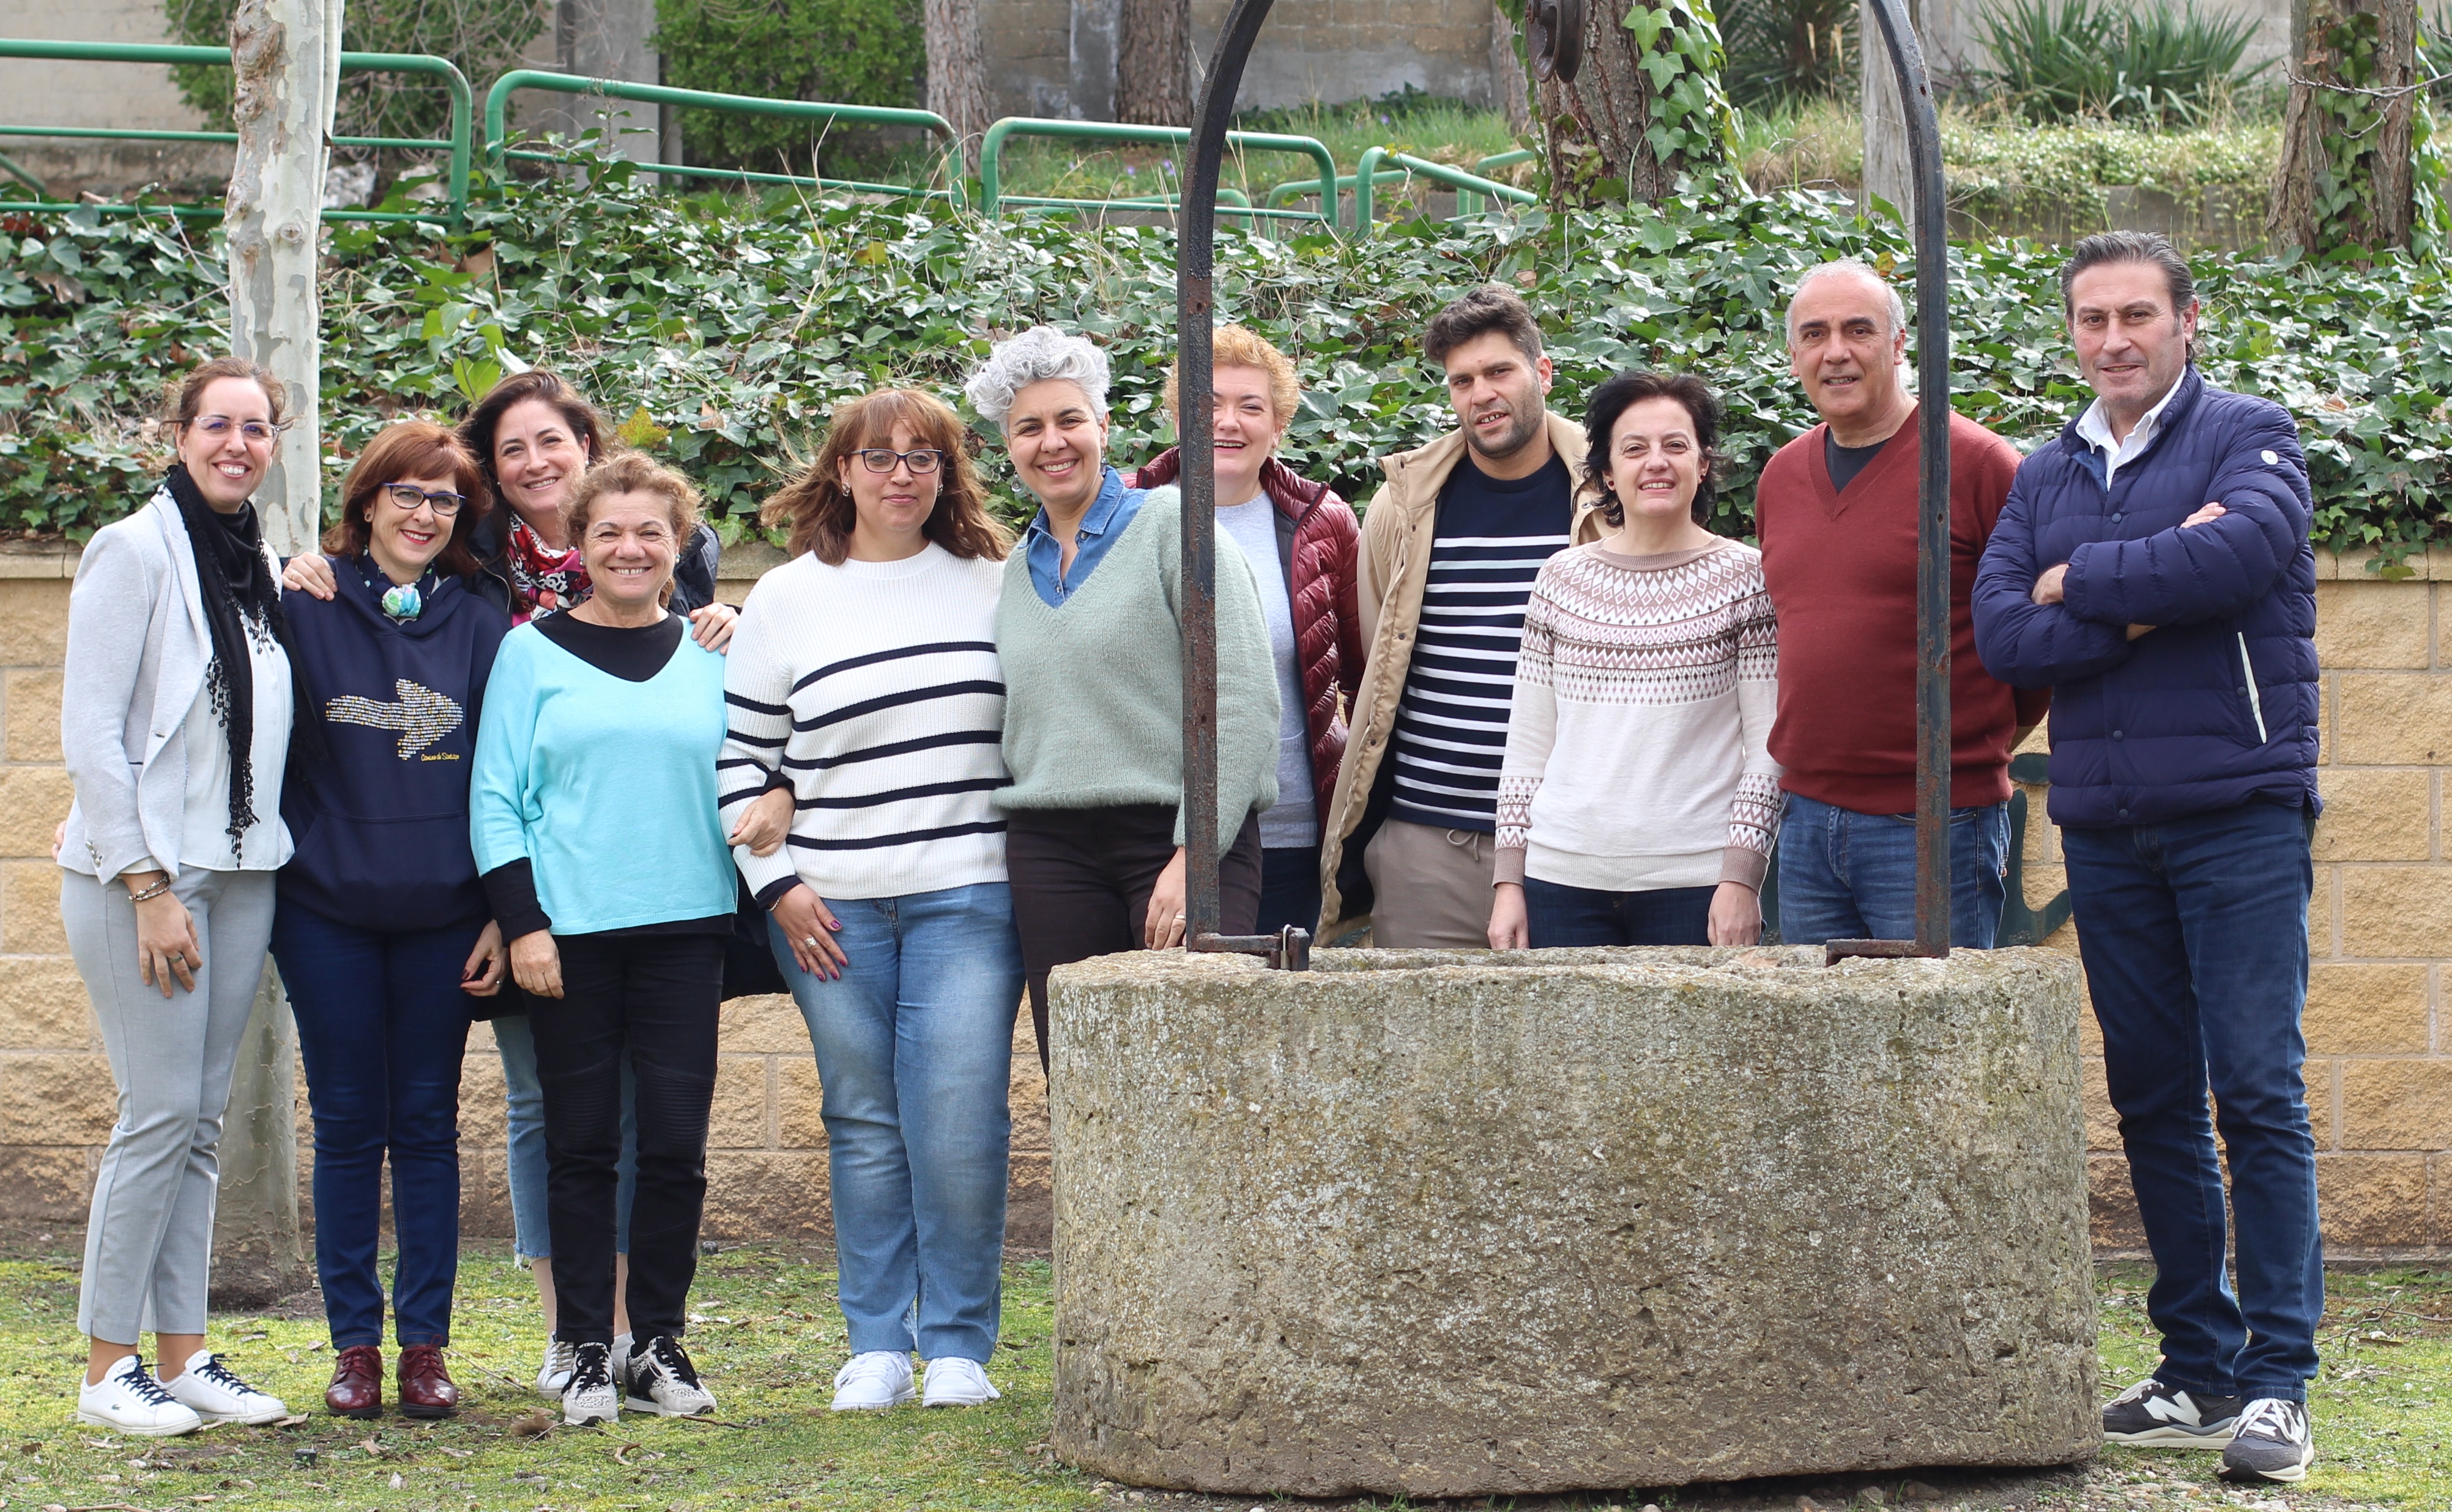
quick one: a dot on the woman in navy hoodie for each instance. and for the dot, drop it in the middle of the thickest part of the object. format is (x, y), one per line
(382, 933)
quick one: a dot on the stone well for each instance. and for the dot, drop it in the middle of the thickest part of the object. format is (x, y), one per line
(1451, 1223)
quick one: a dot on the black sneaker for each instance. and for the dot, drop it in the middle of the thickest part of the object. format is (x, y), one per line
(2152, 1415)
(2273, 1443)
(591, 1397)
(663, 1381)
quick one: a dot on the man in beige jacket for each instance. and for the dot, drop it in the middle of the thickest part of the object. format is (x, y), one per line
(1449, 549)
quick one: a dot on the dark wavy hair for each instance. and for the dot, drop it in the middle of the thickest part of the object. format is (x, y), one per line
(819, 511)
(477, 430)
(1611, 401)
(412, 448)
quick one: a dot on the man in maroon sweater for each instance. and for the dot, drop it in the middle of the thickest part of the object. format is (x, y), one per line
(1836, 512)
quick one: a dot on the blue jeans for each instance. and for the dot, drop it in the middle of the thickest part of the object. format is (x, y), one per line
(1557, 915)
(2194, 935)
(1844, 875)
(381, 1028)
(915, 1050)
(1290, 889)
(523, 1133)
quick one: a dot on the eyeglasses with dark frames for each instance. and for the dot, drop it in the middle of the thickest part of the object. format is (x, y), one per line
(408, 496)
(882, 460)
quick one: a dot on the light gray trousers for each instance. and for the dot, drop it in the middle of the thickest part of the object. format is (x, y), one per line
(148, 1245)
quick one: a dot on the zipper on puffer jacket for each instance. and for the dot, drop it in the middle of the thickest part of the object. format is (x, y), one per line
(2255, 699)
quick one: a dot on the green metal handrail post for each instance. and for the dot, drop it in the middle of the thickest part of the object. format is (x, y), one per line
(498, 97)
(1368, 173)
(992, 149)
(462, 110)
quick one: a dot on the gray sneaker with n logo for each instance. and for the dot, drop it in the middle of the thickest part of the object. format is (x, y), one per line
(2273, 1443)
(2154, 1416)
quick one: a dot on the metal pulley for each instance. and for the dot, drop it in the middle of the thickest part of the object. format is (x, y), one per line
(1554, 34)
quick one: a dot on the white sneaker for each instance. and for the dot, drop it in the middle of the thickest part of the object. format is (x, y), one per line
(954, 1382)
(553, 1376)
(591, 1397)
(875, 1378)
(663, 1381)
(217, 1395)
(128, 1398)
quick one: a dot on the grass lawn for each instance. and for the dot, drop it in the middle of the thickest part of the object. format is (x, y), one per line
(768, 1339)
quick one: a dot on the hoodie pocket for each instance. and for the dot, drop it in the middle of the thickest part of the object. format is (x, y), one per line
(2255, 698)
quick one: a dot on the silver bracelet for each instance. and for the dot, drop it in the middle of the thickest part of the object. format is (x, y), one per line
(150, 893)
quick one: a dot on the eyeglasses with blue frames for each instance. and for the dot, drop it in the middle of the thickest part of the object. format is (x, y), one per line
(217, 429)
(883, 460)
(408, 496)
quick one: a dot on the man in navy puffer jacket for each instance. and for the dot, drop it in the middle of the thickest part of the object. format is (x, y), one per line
(2152, 568)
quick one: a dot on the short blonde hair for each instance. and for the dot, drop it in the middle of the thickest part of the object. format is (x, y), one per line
(631, 472)
(1240, 347)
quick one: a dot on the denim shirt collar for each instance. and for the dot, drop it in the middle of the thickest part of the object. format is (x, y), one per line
(1109, 512)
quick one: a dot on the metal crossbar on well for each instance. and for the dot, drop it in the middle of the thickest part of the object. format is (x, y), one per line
(166, 54)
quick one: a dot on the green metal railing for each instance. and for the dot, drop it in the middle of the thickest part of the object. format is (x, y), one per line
(498, 149)
(1367, 177)
(992, 199)
(1380, 167)
(1468, 203)
(457, 144)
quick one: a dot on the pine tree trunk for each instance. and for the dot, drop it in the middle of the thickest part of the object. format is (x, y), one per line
(1595, 128)
(288, 64)
(2346, 178)
(1154, 63)
(957, 73)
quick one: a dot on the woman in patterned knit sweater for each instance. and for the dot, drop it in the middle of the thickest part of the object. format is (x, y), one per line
(1637, 799)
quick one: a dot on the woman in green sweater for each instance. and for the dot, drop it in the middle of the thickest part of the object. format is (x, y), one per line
(1088, 633)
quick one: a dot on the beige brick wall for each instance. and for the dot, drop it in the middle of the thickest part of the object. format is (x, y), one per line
(2380, 929)
(2380, 1039)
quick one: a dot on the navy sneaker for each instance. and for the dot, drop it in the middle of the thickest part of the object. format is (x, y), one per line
(2273, 1443)
(2152, 1415)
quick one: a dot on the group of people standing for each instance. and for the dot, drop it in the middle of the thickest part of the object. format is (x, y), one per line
(480, 761)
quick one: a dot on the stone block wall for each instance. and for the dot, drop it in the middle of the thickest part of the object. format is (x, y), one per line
(2379, 1019)
(2379, 1023)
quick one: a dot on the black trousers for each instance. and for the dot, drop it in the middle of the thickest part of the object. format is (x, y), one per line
(1081, 883)
(654, 998)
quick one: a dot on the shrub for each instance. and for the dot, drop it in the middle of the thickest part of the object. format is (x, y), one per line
(2061, 59)
(724, 334)
(483, 38)
(845, 52)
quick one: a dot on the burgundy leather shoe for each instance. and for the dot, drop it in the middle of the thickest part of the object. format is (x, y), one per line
(356, 1390)
(426, 1388)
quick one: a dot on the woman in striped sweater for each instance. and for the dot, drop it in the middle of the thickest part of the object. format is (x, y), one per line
(863, 678)
(1637, 799)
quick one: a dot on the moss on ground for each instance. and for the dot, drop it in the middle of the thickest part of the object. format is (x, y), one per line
(768, 1338)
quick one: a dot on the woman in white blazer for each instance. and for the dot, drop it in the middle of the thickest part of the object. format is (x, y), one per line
(175, 719)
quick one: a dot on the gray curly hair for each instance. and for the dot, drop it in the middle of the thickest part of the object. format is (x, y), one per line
(1036, 356)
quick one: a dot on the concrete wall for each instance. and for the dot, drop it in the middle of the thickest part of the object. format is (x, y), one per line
(2379, 1014)
(1949, 29)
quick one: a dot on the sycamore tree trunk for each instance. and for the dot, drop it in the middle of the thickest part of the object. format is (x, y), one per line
(287, 59)
(957, 73)
(2347, 175)
(1154, 63)
(1646, 109)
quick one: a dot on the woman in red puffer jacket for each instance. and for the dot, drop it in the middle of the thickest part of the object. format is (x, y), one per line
(1299, 538)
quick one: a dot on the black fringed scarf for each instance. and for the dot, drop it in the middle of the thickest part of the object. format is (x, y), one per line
(242, 600)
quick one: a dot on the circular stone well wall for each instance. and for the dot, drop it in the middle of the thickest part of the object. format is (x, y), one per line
(1453, 1224)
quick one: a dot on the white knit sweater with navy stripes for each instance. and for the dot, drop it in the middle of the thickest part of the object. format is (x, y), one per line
(873, 688)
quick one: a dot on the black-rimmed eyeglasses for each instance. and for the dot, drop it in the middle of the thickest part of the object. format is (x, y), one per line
(408, 496)
(882, 459)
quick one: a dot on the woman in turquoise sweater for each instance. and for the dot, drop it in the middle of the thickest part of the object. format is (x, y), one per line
(593, 814)
(1090, 636)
